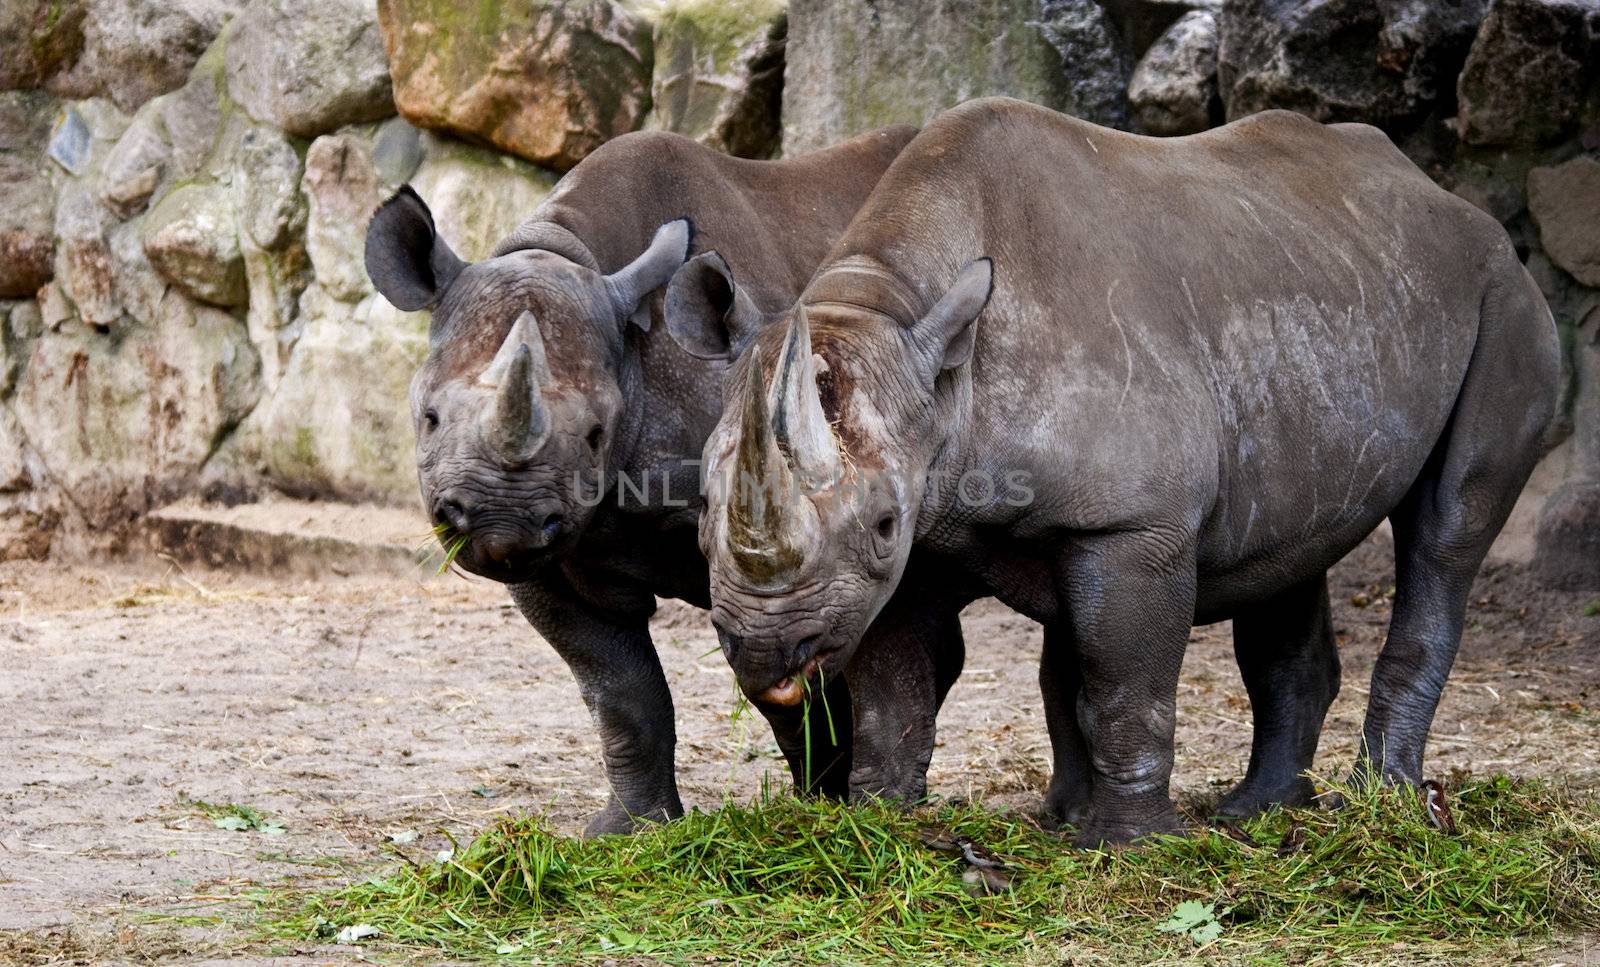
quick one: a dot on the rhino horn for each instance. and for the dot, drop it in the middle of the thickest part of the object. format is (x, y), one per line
(765, 517)
(799, 424)
(515, 423)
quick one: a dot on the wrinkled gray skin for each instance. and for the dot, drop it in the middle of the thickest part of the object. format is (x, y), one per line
(1222, 360)
(549, 376)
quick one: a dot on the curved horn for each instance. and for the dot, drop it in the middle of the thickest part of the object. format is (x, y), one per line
(765, 513)
(515, 423)
(800, 426)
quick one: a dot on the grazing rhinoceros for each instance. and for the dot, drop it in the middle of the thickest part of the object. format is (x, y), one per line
(547, 384)
(1217, 361)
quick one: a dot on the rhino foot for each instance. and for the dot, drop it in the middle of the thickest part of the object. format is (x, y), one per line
(1096, 831)
(1250, 797)
(616, 820)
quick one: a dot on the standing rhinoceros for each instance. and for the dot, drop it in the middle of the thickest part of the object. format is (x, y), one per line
(1218, 361)
(559, 429)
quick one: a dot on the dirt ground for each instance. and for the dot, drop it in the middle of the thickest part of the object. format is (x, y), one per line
(351, 709)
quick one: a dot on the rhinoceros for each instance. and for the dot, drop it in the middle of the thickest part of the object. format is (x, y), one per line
(1216, 363)
(559, 429)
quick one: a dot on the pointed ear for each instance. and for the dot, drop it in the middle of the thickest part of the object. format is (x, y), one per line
(707, 313)
(406, 259)
(630, 284)
(947, 331)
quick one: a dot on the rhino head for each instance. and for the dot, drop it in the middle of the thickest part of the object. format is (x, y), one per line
(817, 469)
(518, 404)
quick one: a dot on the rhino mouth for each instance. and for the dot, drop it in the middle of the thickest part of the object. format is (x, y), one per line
(793, 689)
(505, 556)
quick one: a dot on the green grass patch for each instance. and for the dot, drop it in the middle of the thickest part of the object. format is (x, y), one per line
(785, 880)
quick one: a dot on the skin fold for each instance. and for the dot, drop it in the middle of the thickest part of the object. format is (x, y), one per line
(1218, 361)
(551, 382)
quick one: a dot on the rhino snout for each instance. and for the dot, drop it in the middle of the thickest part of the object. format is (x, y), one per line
(774, 665)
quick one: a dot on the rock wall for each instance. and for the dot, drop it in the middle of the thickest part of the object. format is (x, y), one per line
(183, 307)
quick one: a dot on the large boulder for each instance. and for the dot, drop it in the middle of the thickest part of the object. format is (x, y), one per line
(854, 65)
(1567, 553)
(309, 66)
(124, 423)
(134, 50)
(1384, 62)
(85, 268)
(1565, 203)
(1174, 87)
(190, 238)
(719, 73)
(271, 214)
(1533, 74)
(545, 80)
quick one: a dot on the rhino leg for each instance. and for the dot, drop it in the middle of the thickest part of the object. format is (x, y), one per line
(1130, 597)
(620, 678)
(1290, 665)
(898, 678)
(824, 770)
(1445, 524)
(1060, 682)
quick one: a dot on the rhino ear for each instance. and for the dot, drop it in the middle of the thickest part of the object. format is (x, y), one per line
(707, 313)
(650, 271)
(406, 259)
(947, 330)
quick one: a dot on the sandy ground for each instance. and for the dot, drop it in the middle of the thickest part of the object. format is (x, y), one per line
(349, 709)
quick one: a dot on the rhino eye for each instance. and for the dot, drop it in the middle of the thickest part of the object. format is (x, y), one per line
(886, 526)
(593, 439)
(431, 418)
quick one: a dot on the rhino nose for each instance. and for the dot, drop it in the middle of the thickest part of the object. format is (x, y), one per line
(449, 512)
(550, 527)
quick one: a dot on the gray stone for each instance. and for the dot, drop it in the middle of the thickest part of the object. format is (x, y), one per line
(135, 165)
(1385, 62)
(546, 80)
(84, 265)
(854, 65)
(191, 240)
(478, 196)
(1533, 74)
(309, 66)
(1567, 549)
(1175, 85)
(1142, 22)
(718, 74)
(26, 118)
(70, 142)
(1565, 203)
(271, 214)
(20, 324)
(397, 151)
(266, 182)
(134, 50)
(341, 189)
(27, 224)
(1095, 64)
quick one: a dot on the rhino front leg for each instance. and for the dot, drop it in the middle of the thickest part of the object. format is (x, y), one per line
(816, 742)
(1130, 599)
(620, 679)
(1290, 666)
(907, 662)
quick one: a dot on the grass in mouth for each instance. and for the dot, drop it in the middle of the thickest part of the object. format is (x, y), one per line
(786, 880)
(444, 544)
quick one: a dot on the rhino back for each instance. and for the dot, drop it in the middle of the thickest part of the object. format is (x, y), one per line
(1256, 333)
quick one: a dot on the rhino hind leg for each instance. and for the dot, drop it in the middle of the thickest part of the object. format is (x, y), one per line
(1446, 522)
(1060, 681)
(1290, 666)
